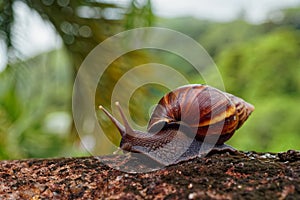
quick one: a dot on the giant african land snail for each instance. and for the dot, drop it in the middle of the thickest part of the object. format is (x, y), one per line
(184, 120)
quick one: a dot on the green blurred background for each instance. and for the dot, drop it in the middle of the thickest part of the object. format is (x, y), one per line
(258, 61)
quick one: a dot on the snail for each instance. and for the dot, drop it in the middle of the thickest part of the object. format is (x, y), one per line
(184, 122)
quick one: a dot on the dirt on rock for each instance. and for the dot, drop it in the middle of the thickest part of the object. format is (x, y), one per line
(243, 175)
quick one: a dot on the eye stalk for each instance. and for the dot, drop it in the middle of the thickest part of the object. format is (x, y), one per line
(126, 129)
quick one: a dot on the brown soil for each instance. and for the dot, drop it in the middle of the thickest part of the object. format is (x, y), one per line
(244, 175)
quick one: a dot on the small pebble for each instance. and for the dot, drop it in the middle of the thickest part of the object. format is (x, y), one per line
(119, 178)
(241, 164)
(268, 155)
(192, 195)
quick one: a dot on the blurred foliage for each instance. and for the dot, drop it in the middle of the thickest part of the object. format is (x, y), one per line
(258, 62)
(29, 116)
(81, 24)
(31, 93)
(270, 66)
(266, 72)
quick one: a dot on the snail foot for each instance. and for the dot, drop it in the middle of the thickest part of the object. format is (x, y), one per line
(200, 149)
(223, 148)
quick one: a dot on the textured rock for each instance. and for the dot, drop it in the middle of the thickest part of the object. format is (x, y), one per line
(246, 175)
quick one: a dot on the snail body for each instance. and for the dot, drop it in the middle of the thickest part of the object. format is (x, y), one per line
(184, 122)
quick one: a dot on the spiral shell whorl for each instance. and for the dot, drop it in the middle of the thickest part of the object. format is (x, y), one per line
(208, 110)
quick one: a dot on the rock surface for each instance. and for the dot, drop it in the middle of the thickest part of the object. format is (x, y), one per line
(245, 175)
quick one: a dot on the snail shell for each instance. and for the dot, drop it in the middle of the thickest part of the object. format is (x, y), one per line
(207, 109)
(183, 120)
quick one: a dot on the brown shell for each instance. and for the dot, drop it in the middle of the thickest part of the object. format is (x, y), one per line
(207, 110)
